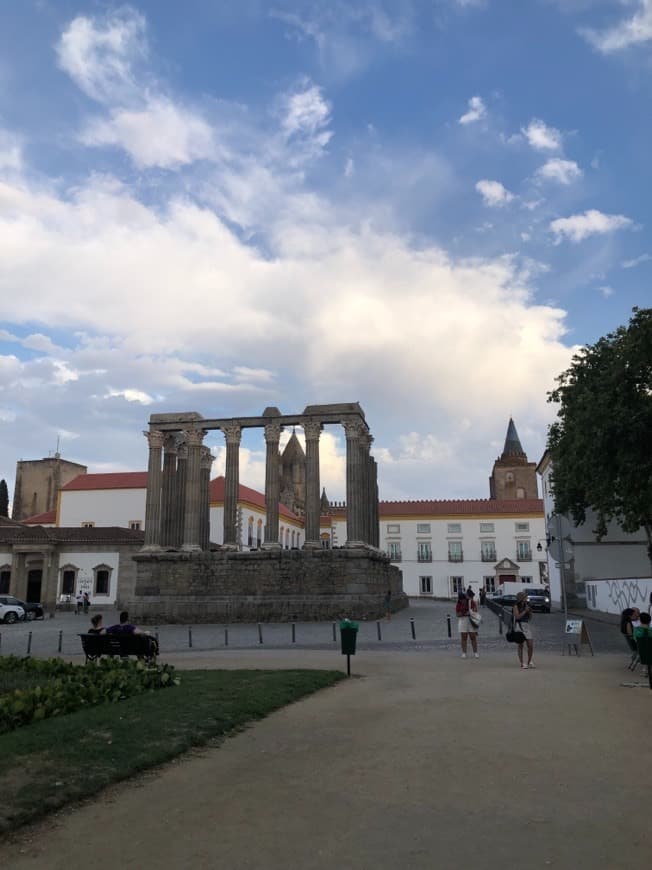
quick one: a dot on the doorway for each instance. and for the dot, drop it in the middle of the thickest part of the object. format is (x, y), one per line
(34, 578)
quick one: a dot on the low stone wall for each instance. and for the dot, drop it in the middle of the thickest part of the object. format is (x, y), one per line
(263, 585)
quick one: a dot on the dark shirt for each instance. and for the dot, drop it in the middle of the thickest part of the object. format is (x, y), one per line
(524, 612)
(122, 628)
(95, 631)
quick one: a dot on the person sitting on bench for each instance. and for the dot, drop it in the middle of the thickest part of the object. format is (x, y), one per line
(643, 629)
(96, 625)
(126, 627)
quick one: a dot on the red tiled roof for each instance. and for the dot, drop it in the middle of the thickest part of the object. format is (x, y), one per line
(445, 507)
(41, 519)
(245, 493)
(112, 480)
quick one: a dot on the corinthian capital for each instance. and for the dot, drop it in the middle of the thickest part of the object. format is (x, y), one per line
(170, 442)
(354, 429)
(155, 438)
(273, 432)
(206, 458)
(194, 437)
(312, 430)
(232, 433)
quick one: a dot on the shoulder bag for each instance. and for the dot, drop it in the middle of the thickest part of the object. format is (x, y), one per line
(474, 618)
(514, 635)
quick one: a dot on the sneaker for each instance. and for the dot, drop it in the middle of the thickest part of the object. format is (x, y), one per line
(524, 667)
(531, 665)
(463, 655)
(476, 656)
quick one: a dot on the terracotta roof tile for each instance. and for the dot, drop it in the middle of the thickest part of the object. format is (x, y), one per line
(245, 493)
(70, 534)
(41, 519)
(112, 480)
(453, 507)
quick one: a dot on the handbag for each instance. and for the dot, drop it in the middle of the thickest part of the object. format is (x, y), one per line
(514, 636)
(474, 618)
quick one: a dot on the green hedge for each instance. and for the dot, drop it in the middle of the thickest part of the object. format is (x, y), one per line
(66, 687)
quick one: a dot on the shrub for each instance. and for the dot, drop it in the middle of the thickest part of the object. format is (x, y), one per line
(66, 687)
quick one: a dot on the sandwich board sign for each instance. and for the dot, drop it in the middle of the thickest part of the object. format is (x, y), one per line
(576, 633)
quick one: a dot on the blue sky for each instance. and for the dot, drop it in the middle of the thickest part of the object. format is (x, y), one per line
(421, 206)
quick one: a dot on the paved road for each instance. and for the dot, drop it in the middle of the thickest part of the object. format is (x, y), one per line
(421, 762)
(430, 626)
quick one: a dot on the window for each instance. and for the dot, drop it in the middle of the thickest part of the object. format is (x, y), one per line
(394, 551)
(456, 585)
(325, 541)
(5, 579)
(526, 579)
(486, 528)
(68, 579)
(489, 583)
(522, 527)
(102, 579)
(509, 477)
(455, 528)
(424, 553)
(425, 585)
(259, 533)
(135, 525)
(423, 528)
(523, 551)
(250, 532)
(393, 529)
(88, 525)
(520, 492)
(455, 551)
(488, 551)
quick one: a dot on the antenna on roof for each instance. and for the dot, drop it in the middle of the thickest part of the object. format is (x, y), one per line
(57, 454)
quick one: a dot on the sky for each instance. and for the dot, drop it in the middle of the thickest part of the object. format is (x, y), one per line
(425, 206)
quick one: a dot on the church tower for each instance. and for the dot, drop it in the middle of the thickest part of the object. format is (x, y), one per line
(293, 476)
(513, 476)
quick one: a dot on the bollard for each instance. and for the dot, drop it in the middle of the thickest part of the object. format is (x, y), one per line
(189, 636)
(500, 622)
(60, 641)
(260, 633)
(226, 637)
(334, 633)
(294, 636)
(378, 631)
(156, 636)
(414, 637)
(448, 624)
(29, 643)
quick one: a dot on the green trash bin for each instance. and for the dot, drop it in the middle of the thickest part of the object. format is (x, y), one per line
(348, 635)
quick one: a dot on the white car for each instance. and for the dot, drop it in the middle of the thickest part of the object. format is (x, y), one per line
(11, 612)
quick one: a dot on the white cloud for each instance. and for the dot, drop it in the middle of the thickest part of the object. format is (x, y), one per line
(631, 264)
(606, 291)
(131, 395)
(494, 193)
(634, 30)
(160, 134)
(99, 54)
(541, 137)
(349, 167)
(306, 113)
(476, 111)
(11, 153)
(563, 171)
(580, 226)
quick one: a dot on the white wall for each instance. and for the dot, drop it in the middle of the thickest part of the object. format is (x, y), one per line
(246, 512)
(472, 569)
(86, 562)
(613, 596)
(104, 507)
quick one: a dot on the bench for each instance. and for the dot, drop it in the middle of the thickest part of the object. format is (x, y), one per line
(123, 645)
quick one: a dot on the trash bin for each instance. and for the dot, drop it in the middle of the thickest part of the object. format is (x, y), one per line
(348, 634)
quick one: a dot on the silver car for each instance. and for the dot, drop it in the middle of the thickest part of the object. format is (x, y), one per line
(11, 613)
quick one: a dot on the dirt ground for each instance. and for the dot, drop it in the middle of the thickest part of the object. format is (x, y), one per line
(418, 761)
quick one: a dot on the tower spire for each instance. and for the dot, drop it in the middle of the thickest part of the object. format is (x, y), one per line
(512, 443)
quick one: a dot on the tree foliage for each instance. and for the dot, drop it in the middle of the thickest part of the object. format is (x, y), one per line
(4, 499)
(601, 443)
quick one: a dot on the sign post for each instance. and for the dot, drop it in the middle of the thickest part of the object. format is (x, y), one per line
(575, 634)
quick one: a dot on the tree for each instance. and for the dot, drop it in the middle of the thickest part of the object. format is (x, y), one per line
(601, 444)
(4, 499)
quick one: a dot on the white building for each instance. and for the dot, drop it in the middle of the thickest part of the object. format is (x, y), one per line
(607, 575)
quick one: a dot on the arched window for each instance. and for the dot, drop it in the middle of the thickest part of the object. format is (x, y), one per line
(520, 492)
(287, 539)
(102, 584)
(68, 579)
(259, 533)
(250, 532)
(5, 579)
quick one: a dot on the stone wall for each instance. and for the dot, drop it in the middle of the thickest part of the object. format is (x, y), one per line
(265, 585)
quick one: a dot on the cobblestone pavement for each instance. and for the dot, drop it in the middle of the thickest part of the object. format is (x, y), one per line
(429, 619)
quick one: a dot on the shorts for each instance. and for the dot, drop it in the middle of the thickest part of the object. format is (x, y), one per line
(464, 625)
(526, 628)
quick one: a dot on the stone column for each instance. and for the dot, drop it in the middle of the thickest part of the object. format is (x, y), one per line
(312, 431)
(168, 493)
(354, 430)
(376, 517)
(365, 445)
(232, 433)
(272, 484)
(50, 579)
(153, 498)
(191, 523)
(206, 464)
(180, 495)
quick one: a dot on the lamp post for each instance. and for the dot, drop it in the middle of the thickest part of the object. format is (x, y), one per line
(560, 558)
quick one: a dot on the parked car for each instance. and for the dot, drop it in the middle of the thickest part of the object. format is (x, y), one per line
(11, 612)
(539, 600)
(507, 600)
(31, 608)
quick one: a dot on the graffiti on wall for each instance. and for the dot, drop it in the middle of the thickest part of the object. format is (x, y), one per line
(627, 593)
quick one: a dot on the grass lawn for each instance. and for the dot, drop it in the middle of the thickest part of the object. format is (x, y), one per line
(50, 763)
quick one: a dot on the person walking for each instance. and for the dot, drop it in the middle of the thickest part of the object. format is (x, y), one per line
(86, 602)
(466, 603)
(388, 604)
(79, 602)
(522, 614)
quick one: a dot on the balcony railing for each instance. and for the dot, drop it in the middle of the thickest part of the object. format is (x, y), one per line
(456, 557)
(524, 557)
(489, 557)
(424, 557)
(395, 557)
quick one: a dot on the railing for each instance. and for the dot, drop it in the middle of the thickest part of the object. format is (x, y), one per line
(456, 557)
(524, 557)
(424, 557)
(489, 557)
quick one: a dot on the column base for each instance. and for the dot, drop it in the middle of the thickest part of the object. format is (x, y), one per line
(312, 545)
(232, 547)
(271, 545)
(151, 548)
(191, 548)
(356, 545)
